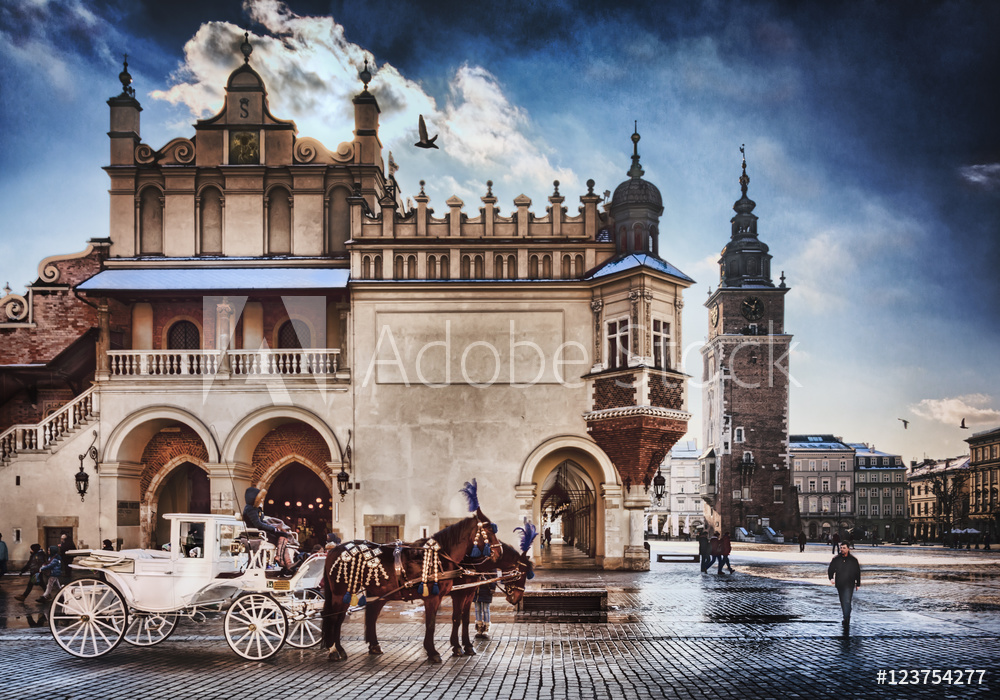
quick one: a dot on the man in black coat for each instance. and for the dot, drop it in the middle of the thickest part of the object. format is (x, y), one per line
(845, 574)
(705, 550)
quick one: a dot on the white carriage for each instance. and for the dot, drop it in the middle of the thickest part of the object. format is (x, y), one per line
(214, 564)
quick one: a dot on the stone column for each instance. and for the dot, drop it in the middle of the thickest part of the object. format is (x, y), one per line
(223, 310)
(636, 556)
(103, 340)
(596, 306)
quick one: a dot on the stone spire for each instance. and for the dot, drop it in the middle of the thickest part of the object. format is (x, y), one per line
(745, 260)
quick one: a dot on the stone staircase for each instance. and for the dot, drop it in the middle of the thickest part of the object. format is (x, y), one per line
(53, 430)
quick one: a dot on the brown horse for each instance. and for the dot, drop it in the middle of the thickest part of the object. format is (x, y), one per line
(422, 570)
(515, 568)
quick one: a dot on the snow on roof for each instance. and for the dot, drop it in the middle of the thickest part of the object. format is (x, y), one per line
(686, 449)
(815, 442)
(215, 279)
(629, 261)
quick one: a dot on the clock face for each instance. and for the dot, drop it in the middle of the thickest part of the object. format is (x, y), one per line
(714, 314)
(752, 309)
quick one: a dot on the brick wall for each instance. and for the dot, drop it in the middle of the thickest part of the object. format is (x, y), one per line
(166, 446)
(666, 391)
(614, 392)
(288, 439)
(637, 444)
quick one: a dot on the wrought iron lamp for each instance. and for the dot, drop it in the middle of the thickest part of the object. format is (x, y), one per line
(82, 481)
(659, 486)
(343, 478)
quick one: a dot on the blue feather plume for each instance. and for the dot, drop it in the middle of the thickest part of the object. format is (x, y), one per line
(528, 534)
(471, 492)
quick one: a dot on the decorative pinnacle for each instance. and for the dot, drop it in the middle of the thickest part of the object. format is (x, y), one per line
(555, 184)
(590, 186)
(365, 74)
(246, 48)
(422, 183)
(636, 170)
(489, 187)
(126, 79)
(744, 178)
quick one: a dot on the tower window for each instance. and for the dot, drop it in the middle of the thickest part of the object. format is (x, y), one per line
(738, 435)
(661, 344)
(618, 343)
(183, 335)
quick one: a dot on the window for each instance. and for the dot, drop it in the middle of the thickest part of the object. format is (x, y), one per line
(294, 335)
(862, 492)
(861, 461)
(798, 464)
(826, 464)
(618, 343)
(183, 335)
(842, 485)
(812, 485)
(887, 492)
(661, 344)
(899, 509)
(385, 533)
(812, 505)
(193, 539)
(778, 494)
(885, 461)
(874, 509)
(225, 534)
(899, 477)
(861, 478)
(886, 477)
(17, 534)
(812, 465)
(826, 505)
(843, 465)
(862, 509)
(826, 485)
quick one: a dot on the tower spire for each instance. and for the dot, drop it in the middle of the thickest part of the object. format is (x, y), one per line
(636, 169)
(744, 178)
(246, 48)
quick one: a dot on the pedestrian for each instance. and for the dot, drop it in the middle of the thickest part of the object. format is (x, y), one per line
(986, 541)
(845, 573)
(835, 541)
(725, 547)
(54, 570)
(713, 549)
(802, 541)
(66, 545)
(332, 540)
(704, 549)
(484, 596)
(107, 546)
(3, 557)
(36, 560)
(547, 537)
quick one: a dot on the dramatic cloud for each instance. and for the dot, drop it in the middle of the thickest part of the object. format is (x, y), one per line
(986, 176)
(312, 72)
(973, 408)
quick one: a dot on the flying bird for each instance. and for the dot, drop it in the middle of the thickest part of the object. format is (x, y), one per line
(963, 426)
(425, 142)
(906, 423)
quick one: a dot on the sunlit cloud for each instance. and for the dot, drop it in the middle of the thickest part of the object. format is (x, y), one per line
(974, 409)
(986, 175)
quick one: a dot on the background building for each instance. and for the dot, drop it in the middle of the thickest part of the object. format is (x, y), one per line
(880, 495)
(984, 482)
(681, 511)
(939, 497)
(268, 311)
(823, 474)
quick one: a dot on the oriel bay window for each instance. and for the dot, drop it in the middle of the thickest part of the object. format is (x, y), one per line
(618, 343)
(661, 344)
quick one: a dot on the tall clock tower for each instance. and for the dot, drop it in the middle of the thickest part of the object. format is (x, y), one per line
(745, 472)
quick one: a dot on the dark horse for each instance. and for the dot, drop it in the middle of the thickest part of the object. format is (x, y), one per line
(422, 570)
(515, 568)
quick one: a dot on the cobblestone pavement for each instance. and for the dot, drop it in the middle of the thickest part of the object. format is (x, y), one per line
(771, 630)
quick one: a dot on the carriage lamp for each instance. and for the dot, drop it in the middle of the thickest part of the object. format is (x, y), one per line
(82, 481)
(342, 480)
(659, 486)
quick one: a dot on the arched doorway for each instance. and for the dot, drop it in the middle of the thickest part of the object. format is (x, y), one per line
(569, 507)
(300, 498)
(186, 490)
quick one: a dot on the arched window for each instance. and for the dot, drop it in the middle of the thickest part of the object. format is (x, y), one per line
(183, 335)
(339, 221)
(411, 267)
(480, 268)
(498, 267)
(279, 222)
(533, 267)
(211, 221)
(579, 266)
(567, 267)
(294, 334)
(547, 267)
(150, 222)
(432, 264)
(366, 267)
(466, 271)
(511, 267)
(397, 268)
(445, 269)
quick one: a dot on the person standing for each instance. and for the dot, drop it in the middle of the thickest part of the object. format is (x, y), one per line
(835, 542)
(36, 560)
(725, 547)
(54, 570)
(705, 550)
(802, 541)
(66, 545)
(3, 557)
(845, 573)
(713, 548)
(484, 596)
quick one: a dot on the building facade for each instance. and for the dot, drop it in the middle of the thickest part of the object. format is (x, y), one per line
(880, 495)
(823, 476)
(939, 497)
(267, 311)
(745, 476)
(984, 482)
(680, 513)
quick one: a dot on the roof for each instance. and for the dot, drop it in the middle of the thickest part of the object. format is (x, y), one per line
(816, 442)
(940, 466)
(215, 279)
(984, 433)
(686, 449)
(630, 261)
(863, 450)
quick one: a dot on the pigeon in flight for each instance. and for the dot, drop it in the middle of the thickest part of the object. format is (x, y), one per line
(963, 426)
(425, 142)
(906, 423)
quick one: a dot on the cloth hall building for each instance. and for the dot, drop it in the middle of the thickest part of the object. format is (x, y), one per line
(265, 310)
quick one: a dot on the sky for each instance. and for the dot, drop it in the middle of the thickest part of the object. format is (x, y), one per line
(870, 129)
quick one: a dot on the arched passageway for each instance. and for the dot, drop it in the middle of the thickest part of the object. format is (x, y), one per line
(300, 498)
(186, 490)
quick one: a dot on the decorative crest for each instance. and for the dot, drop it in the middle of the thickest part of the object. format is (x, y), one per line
(365, 74)
(246, 48)
(471, 492)
(528, 534)
(744, 178)
(126, 79)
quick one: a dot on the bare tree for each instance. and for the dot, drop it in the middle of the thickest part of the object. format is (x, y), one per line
(952, 502)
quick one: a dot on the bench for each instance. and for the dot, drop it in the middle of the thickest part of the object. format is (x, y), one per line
(576, 599)
(678, 558)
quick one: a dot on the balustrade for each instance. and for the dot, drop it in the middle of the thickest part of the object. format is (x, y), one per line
(188, 363)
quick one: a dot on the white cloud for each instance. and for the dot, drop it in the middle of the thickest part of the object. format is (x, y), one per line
(986, 175)
(311, 70)
(973, 408)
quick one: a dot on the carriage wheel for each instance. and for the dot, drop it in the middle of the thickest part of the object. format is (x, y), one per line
(147, 629)
(88, 618)
(304, 618)
(256, 626)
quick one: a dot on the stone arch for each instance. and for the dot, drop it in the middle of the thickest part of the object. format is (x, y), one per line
(129, 438)
(243, 438)
(570, 443)
(271, 472)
